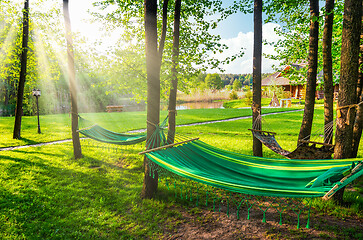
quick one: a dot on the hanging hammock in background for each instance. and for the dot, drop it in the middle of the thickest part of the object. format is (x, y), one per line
(303, 150)
(98, 133)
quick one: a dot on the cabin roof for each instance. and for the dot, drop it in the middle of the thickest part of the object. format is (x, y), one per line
(275, 79)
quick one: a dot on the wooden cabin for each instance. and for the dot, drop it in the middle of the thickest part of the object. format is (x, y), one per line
(296, 90)
(276, 79)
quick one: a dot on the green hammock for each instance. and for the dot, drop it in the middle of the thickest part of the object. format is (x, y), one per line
(101, 134)
(245, 174)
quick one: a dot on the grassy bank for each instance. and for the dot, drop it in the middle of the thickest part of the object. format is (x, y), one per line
(46, 194)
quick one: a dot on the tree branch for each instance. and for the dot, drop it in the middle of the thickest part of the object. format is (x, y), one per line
(163, 30)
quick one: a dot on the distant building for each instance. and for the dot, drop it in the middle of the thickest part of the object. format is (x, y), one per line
(296, 90)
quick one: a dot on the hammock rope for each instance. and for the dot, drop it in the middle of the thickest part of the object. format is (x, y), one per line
(339, 113)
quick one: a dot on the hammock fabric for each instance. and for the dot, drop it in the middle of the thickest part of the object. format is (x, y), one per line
(303, 151)
(100, 134)
(239, 173)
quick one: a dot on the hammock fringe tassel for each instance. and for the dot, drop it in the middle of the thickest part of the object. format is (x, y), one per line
(237, 205)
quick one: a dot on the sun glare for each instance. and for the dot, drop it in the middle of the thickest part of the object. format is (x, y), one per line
(93, 51)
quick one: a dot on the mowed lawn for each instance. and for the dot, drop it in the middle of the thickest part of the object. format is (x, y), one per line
(58, 127)
(46, 194)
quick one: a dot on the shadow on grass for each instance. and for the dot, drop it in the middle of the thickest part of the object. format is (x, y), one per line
(28, 141)
(40, 200)
(35, 151)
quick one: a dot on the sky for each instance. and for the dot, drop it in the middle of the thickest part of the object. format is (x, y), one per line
(236, 33)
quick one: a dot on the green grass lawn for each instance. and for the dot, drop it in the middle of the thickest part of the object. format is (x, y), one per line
(46, 194)
(58, 127)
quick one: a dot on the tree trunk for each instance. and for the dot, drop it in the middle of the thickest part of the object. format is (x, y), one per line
(153, 91)
(307, 121)
(257, 59)
(348, 77)
(357, 129)
(6, 94)
(24, 52)
(174, 73)
(358, 124)
(328, 69)
(77, 151)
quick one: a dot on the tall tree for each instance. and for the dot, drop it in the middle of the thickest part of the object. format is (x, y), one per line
(197, 43)
(307, 121)
(257, 61)
(358, 124)
(24, 52)
(348, 78)
(213, 81)
(174, 73)
(77, 151)
(328, 67)
(153, 90)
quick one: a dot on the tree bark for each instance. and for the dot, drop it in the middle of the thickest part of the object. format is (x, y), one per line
(348, 78)
(150, 184)
(257, 59)
(24, 52)
(358, 124)
(6, 92)
(77, 151)
(174, 72)
(328, 69)
(307, 121)
(357, 129)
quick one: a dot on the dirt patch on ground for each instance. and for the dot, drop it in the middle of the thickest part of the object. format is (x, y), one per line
(199, 223)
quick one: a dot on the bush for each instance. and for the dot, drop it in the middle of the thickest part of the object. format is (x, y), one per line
(233, 95)
(270, 90)
(7, 110)
(248, 97)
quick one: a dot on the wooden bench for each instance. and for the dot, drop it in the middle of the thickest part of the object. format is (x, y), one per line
(114, 108)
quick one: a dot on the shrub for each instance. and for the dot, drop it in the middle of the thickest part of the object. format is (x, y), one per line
(233, 95)
(248, 97)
